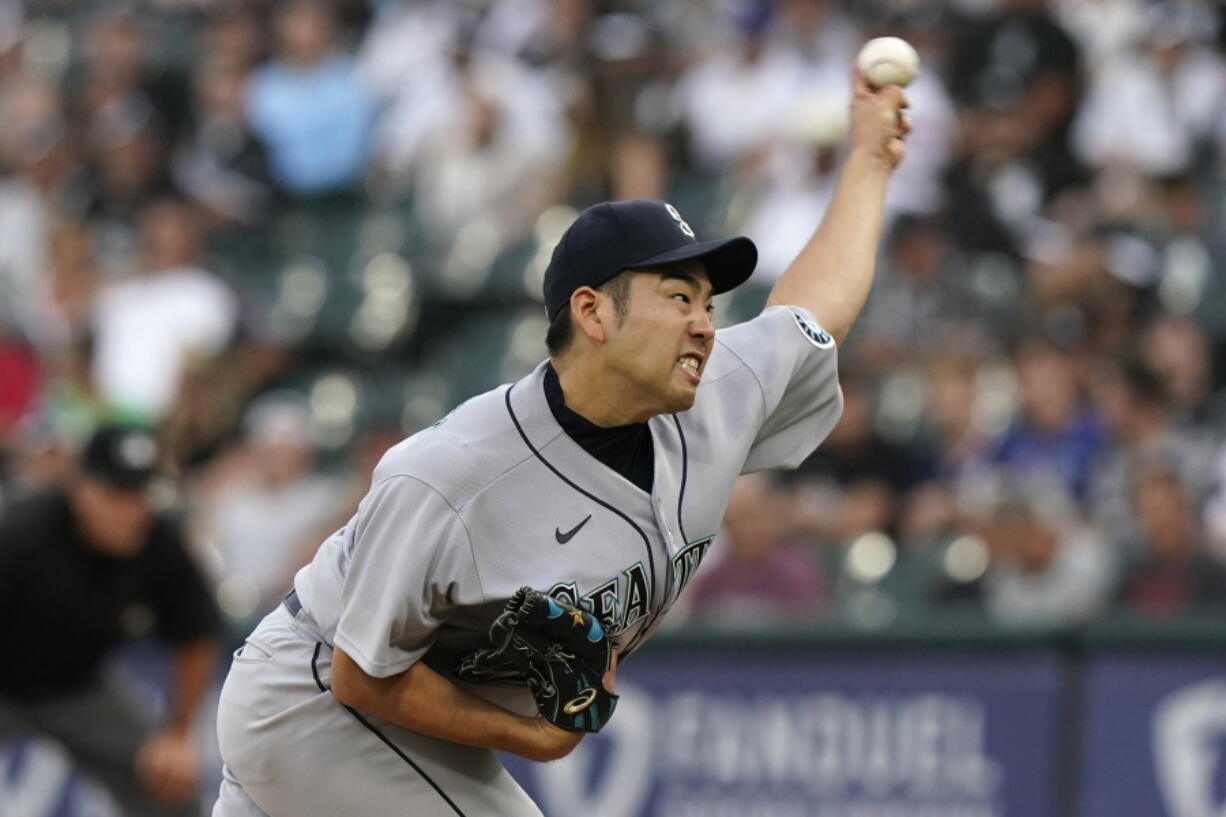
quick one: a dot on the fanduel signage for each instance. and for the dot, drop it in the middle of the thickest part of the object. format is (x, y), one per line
(735, 736)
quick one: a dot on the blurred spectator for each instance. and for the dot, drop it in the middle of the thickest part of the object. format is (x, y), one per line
(758, 78)
(234, 36)
(612, 68)
(922, 301)
(856, 450)
(118, 73)
(442, 89)
(794, 188)
(1047, 568)
(65, 315)
(1215, 509)
(1177, 351)
(1103, 28)
(820, 30)
(128, 110)
(478, 163)
(84, 569)
(405, 56)
(953, 451)
(260, 507)
(1015, 75)
(35, 156)
(761, 577)
(959, 442)
(1188, 246)
(34, 459)
(1056, 430)
(309, 104)
(1138, 418)
(127, 174)
(857, 477)
(1172, 69)
(63, 413)
(19, 376)
(1065, 271)
(152, 326)
(1017, 72)
(1173, 572)
(222, 165)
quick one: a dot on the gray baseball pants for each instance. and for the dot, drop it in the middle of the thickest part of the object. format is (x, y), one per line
(291, 749)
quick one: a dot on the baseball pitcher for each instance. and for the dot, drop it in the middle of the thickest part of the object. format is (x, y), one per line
(506, 556)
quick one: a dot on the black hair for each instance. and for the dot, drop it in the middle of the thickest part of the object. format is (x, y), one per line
(562, 330)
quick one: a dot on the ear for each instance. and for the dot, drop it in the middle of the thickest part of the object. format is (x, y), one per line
(586, 313)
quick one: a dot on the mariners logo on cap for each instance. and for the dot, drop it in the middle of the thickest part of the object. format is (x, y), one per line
(817, 336)
(685, 228)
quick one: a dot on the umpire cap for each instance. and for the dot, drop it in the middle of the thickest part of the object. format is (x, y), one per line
(125, 457)
(615, 236)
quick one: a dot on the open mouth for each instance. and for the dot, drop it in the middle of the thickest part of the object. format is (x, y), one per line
(691, 365)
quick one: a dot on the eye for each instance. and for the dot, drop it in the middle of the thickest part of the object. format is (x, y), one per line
(684, 298)
(711, 309)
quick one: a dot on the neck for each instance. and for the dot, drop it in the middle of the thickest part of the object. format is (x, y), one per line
(599, 394)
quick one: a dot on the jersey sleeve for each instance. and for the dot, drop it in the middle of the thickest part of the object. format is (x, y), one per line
(411, 563)
(795, 364)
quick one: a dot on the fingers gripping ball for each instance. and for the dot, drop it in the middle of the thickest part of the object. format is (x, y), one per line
(888, 61)
(560, 651)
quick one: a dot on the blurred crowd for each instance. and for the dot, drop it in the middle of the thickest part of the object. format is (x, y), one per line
(1034, 395)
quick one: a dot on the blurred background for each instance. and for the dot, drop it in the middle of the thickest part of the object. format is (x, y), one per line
(285, 235)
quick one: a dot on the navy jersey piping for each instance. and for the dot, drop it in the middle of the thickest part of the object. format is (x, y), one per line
(387, 741)
(685, 470)
(651, 559)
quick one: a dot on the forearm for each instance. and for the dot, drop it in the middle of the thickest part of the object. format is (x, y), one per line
(832, 275)
(193, 669)
(424, 701)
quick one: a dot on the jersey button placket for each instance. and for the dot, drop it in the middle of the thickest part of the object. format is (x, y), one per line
(663, 578)
(658, 505)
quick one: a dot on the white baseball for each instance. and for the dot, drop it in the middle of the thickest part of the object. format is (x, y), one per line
(888, 61)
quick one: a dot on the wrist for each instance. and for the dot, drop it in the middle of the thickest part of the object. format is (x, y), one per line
(549, 742)
(865, 161)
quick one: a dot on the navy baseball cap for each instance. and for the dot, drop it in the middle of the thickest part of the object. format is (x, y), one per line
(123, 456)
(624, 235)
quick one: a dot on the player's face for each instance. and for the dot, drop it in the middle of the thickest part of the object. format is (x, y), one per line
(662, 346)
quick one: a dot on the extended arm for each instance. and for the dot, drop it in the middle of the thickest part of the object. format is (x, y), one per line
(194, 664)
(832, 275)
(168, 763)
(422, 700)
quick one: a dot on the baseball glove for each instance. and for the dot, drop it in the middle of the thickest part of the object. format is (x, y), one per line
(559, 651)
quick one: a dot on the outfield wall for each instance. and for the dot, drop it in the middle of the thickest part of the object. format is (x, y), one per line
(953, 721)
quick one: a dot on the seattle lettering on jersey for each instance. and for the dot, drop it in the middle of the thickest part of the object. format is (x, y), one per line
(624, 601)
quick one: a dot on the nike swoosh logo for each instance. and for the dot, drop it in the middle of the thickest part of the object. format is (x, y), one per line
(563, 538)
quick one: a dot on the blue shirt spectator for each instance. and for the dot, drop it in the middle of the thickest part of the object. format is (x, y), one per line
(1055, 430)
(1067, 453)
(310, 106)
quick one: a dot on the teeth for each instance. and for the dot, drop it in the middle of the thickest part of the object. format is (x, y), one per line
(690, 363)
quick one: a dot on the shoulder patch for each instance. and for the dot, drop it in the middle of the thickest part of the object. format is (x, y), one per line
(817, 336)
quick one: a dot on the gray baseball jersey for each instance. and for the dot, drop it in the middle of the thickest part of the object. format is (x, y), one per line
(496, 496)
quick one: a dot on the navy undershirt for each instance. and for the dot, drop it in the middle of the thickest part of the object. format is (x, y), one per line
(627, 449)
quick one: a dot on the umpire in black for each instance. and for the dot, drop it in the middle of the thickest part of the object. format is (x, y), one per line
(83, 569)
